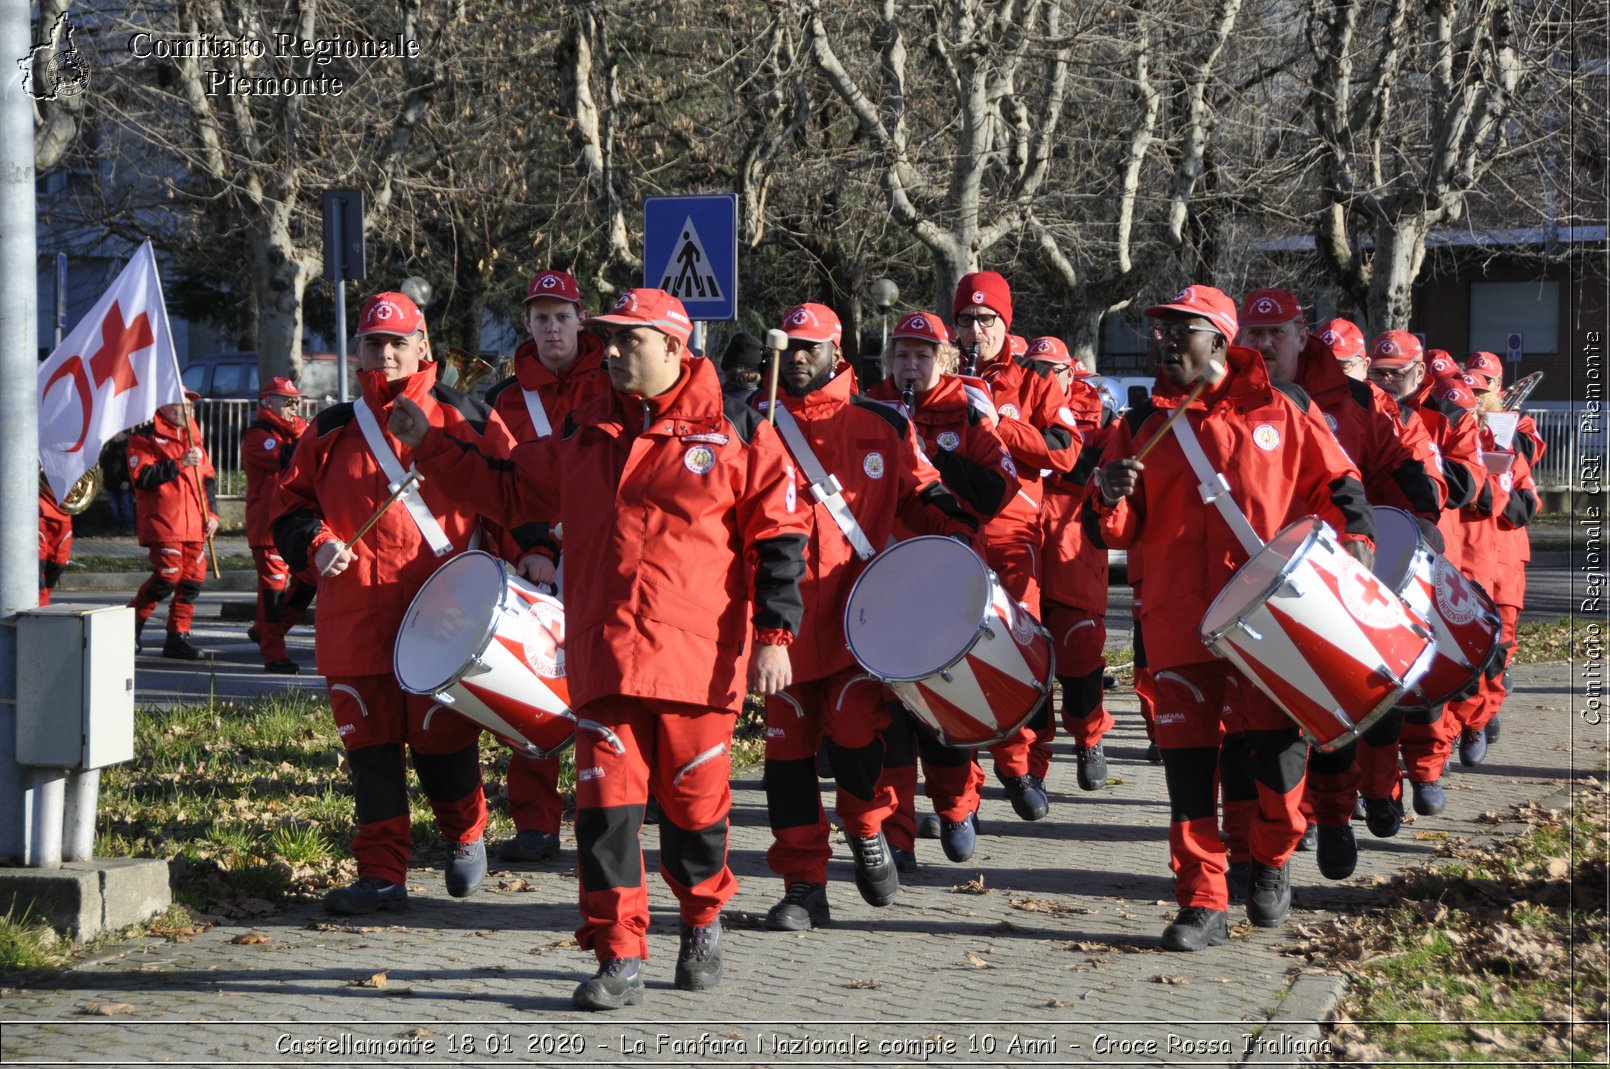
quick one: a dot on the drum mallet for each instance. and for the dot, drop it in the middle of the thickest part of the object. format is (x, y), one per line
(413, 477)
(1190, 398)
(777, 342)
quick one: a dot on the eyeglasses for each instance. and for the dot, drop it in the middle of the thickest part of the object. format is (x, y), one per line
(1393, 372)
(982, 320)
(1164, 331)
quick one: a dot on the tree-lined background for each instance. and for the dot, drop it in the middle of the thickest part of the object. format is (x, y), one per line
(1098, 155)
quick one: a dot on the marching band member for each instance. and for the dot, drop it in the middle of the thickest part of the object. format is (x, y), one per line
(1039, 430)
(265, 451)
(559, 368)
(868, 452)
(175, 499)
(954, 424)
(680, 510)
(1346, 343)
(55, 542)
(1281, 463)
(342, 469)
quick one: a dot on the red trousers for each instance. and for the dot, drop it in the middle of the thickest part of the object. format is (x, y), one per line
(1017, 565)
(1424, 737)
(850, 709)
(179, 569)
(534, 800)
(624, 747)
(1474, 712)
(380, 725)
(55, 550)
(282, 600)
(1078, 638)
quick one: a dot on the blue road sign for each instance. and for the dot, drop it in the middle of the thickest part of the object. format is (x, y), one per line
(690, 250)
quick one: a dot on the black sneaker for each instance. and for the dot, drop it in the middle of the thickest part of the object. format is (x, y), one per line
(1429, 798)
(1337, 853)
(960, 837)
(1236, 877)
(1472, 747)
(618, 982)
(530, 845)
(875, 875)
(1269, 895)
(804, 906)
(904, 860)
(251, 634)
(370, 894)
(179, 648)
(698, 962)
(928, 826)
(1092, 767)
(284, 667)
(1196, 928)
(1108, 681)
(1310, 838)
(1154, 753)
(1383, 816)
(466, 868)
(1359, 810)
(1491, 730)
(139, 625)
(1027, 797)
(651, 811)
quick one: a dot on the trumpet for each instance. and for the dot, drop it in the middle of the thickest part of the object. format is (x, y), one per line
(1516, 393)
(80, 495)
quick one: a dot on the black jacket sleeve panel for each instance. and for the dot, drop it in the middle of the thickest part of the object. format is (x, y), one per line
(1520, 508)
(1461, 485)
(781, 566)
(536, 537)
(212, 494)
(1347, 494)
(293, 533)
(937, 495)
(474, 412)
(1484, 501)
(983, 488)
(1089, 461)
(1417, 486)
(154, 475)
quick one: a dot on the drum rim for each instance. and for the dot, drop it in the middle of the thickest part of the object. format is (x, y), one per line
(1315, 526)
(481, 644)
(978, 628)
(1422, 548)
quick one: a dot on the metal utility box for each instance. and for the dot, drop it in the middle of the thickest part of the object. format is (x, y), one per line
(75, 686)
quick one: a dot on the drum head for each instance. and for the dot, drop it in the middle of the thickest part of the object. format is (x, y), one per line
(917, 608)
(1255, 580)
(1397, 537)
(450, 621)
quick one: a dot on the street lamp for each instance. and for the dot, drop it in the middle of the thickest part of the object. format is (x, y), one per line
(416, 289)
(884, 294)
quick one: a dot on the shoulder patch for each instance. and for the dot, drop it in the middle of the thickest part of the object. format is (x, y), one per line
(493, 394)
(475, 412)
(742, 416)
(1298, 395)
(333, 418)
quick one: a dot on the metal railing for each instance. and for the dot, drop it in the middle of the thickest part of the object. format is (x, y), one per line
(1573, 440)
(224, 422)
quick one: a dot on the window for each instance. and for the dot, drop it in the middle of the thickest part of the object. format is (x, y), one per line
(228, 380)
(1530, 309)
(195, 377)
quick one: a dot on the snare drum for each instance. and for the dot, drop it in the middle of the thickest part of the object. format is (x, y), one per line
(487, 644)
(1467, 632)
(1324, 638)
(929, 619)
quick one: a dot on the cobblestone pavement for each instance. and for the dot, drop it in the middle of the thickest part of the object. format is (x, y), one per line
(1041, 950)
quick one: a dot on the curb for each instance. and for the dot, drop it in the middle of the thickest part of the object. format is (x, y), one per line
(1293, 1033)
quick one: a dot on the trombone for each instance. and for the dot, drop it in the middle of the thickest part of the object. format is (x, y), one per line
(1515, 394)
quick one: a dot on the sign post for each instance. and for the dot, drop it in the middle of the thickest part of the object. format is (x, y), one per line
(690, 250)
(344, 258)
(1516, 347)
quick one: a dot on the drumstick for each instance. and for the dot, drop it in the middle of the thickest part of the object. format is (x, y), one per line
(402, 488)
(776, 341)
(1151, 443)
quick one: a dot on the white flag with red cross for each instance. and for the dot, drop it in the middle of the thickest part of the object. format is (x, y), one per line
(108, 375)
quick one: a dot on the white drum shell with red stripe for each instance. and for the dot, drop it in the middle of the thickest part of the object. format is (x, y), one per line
(1466, 629)
(489, 645)
(1330, 643)
(929, 619)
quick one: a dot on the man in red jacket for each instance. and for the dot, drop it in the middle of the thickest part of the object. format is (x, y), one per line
(1281, 463)
(175, 500)
(265, 452)
(1038, 429)
(342, 469)
(559, 369)
(680, 510)
(876, 474)
(55, 542)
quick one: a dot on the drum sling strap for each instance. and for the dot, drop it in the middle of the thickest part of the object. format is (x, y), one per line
(534, 409)
(824, 487)
(1215, 488)
(392, 469)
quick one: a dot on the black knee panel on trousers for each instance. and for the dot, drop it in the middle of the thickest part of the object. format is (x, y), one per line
(692, 857)
(272, 600)
(379, 782)
(1332, 762)
(793, 795)
(189, 590)
(899, 738)
(1040, 720)
(936, 754)
(1279, 757)
(857, 770)
(607, 851)
(447, 777)
(301, 596)
(157, 591)
(1138, 646)
(1190, 772)
(1235, 768)
(1081, 695)
(51, 572)
(1423, 716)
(1385, 731)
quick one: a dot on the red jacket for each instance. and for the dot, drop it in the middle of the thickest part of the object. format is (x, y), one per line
(1511, 543)
(1396, 460)
(887, 483)
(668, 503)
(961, 441)
(1075, 568)
(265, 451)
(334, 484)
(1038, 428)
(1271, 443)
(168, 503)
(1453, 435)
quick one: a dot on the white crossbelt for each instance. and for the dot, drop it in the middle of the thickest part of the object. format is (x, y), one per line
(1214, 488)
(539, 418)
(391, 467)
(824, 487)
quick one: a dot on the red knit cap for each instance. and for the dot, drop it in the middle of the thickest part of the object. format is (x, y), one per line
(985, 289)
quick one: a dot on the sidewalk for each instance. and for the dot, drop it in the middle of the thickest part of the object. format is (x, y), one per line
(1042, 950)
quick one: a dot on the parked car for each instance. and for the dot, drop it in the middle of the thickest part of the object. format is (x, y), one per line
(235, 375)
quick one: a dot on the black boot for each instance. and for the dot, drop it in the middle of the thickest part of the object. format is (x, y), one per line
(179, 648)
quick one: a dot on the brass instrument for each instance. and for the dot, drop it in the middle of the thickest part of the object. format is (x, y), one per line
(468, 368)
(1516, 393)
(79, 495)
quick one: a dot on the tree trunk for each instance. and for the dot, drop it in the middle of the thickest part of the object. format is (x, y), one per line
(1400, 249)
(282, 277)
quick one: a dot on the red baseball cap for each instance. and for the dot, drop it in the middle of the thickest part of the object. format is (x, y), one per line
(649, 308)
(985, 289)
(1050, 350)
(1342, 337)
(1478, 382)
(556, 285)
(279, 386)
(922, 326)
(813, 323)
(1017, 344)
(390, 313)
(1213, 305)
(1395, 348)
(1270, 308)
(1456, 391)
(191, 395)
(1441, 364)
(1485, 363)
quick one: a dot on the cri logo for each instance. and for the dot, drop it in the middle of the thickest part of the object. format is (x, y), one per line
(1264, 306)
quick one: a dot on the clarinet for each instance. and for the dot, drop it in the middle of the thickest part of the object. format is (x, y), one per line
(908, 397)
(970, 359)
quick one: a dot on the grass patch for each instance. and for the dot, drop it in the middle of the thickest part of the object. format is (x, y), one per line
(1495, 954)
(228, 562)
(1564, 639)
(31, 944)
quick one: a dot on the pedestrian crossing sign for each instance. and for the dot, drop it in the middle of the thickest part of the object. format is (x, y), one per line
(690, 250)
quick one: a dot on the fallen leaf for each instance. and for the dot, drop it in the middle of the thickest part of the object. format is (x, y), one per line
(972, 887)
(249, 939)
(109, 1009)
(1055, 1003)
(865, 985)
(1173, 981)
(378, 980)
(977, 962)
